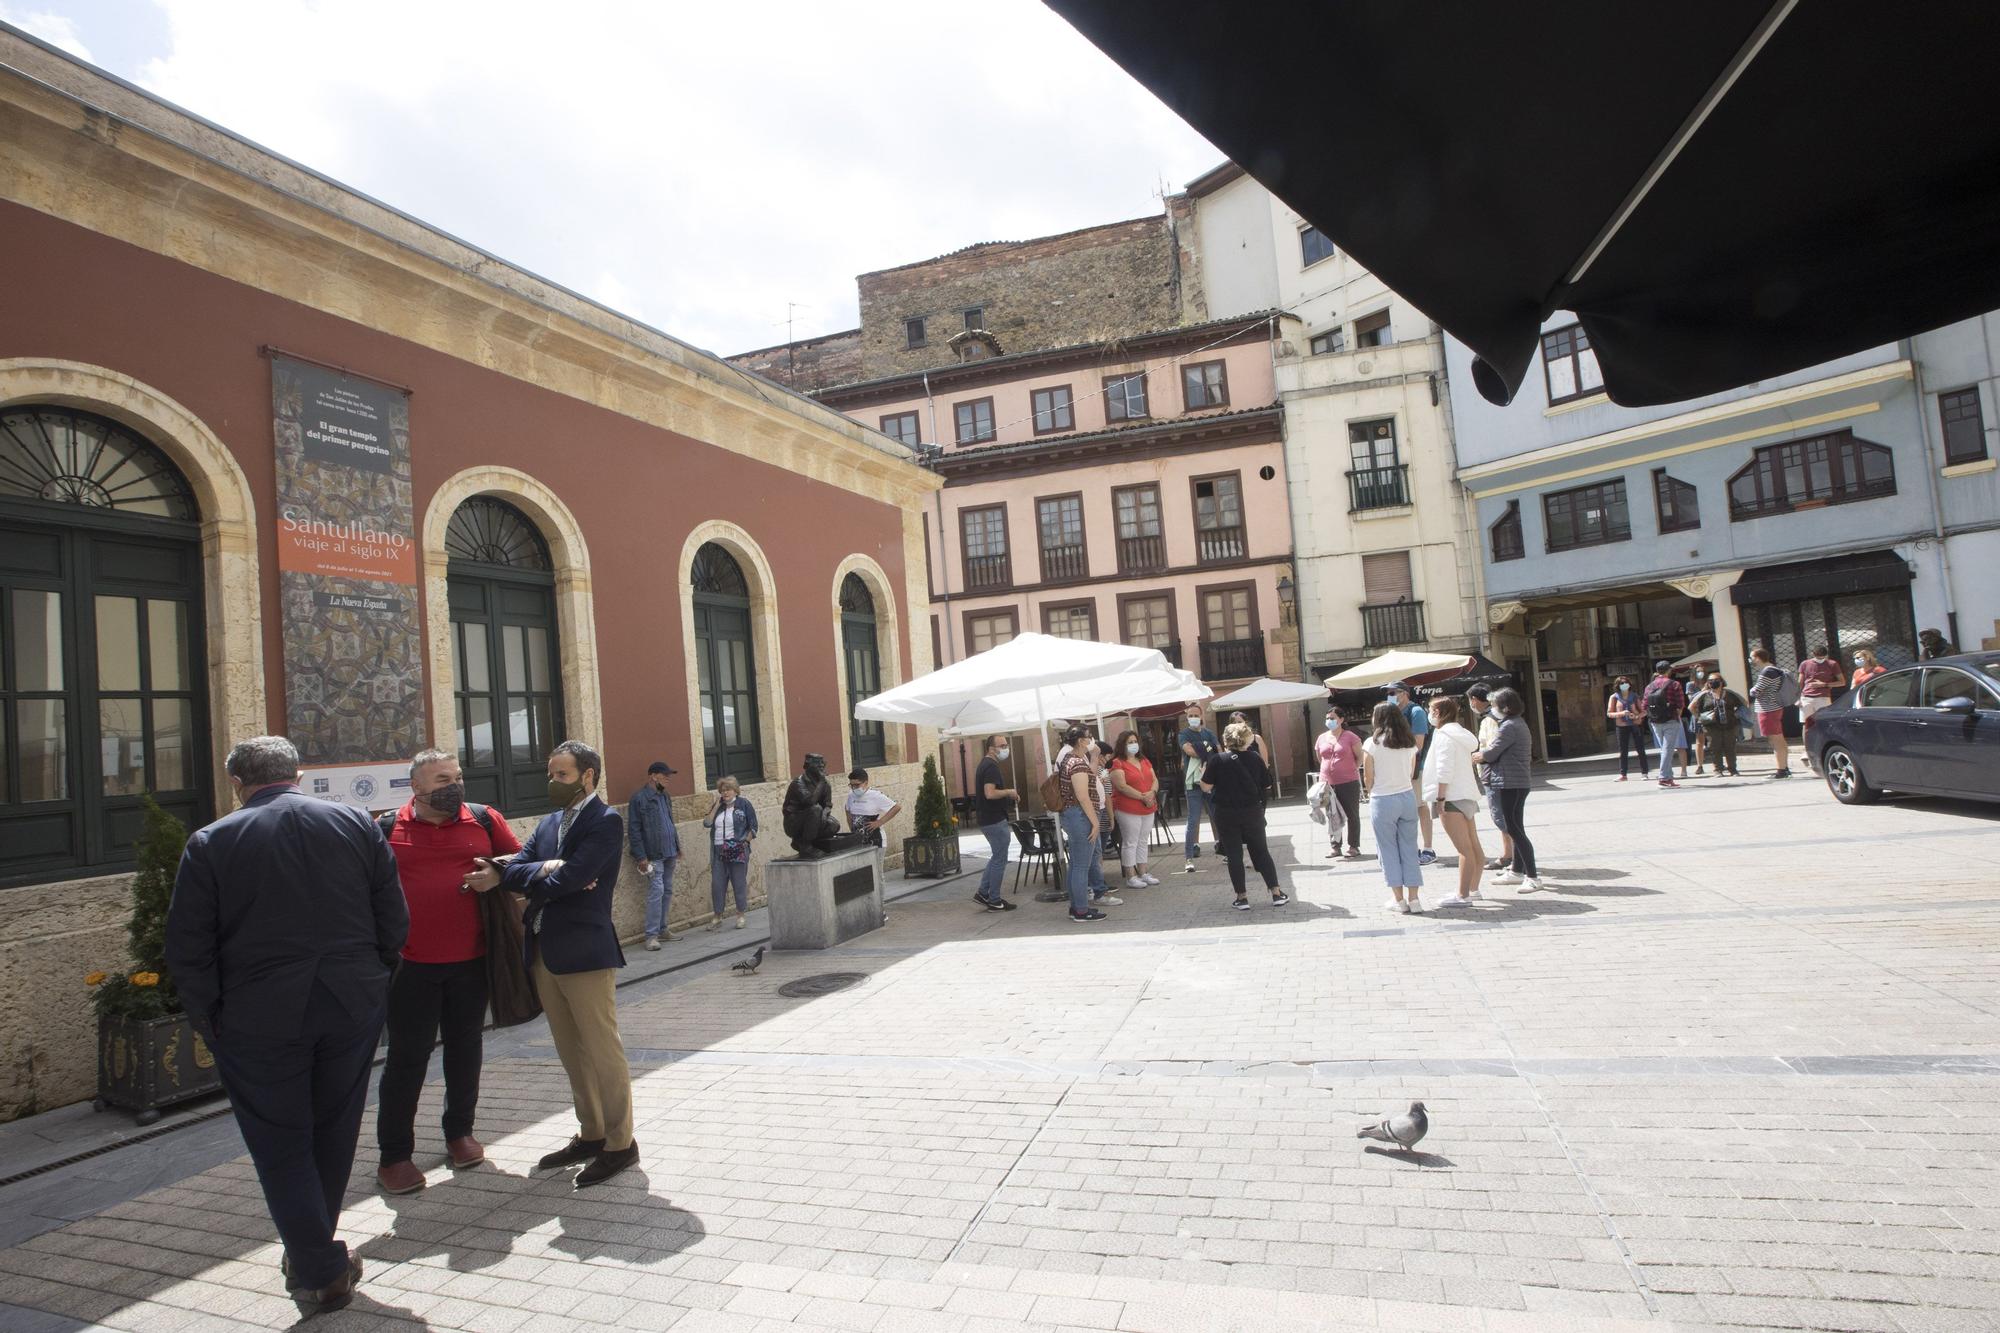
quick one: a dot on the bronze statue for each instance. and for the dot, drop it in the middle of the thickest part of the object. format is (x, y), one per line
(808, 813)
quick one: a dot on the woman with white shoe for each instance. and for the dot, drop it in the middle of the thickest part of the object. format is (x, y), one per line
(1388, 772)
(1506, 761)
(1452, 792)
(1135, 796)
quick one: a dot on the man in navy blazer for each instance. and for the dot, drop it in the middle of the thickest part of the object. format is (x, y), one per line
(286, 921)
(567, 871)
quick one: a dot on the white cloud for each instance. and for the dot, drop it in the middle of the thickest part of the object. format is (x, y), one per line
(55, 29)
(695, 166)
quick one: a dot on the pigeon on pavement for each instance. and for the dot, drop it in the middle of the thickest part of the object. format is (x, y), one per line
(1405, 1131)
(750, 964)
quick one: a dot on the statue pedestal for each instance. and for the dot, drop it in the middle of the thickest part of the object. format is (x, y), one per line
(816, 904)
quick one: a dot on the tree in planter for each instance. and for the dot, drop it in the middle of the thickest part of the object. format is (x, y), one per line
(932, 848)
(147, 991)
(933, 816)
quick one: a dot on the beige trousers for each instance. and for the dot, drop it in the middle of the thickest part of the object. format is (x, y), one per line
(582, 1009)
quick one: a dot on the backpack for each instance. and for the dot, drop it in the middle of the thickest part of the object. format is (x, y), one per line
(1659, 704)
(1051, 792)
(386, 821)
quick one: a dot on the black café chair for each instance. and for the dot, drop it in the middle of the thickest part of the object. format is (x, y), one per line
(1034, 851)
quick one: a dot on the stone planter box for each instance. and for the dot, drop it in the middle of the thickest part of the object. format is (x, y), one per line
(144, 1064)
(930, 858)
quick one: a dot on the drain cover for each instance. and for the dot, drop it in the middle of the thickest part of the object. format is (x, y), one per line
(826, 983)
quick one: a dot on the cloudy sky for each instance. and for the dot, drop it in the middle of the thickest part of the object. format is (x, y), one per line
(697, 166)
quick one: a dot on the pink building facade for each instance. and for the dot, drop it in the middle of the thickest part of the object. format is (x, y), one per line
(1129, 492)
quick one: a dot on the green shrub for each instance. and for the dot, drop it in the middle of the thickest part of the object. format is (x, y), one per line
(933, 817)
(147, 991)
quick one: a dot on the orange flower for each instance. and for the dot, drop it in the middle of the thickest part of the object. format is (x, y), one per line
(94, 979)
(145, 978)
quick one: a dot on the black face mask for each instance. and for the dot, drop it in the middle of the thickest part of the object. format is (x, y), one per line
(446, 800)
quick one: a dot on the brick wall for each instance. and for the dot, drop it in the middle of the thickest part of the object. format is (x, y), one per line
(1084, 286)
(810, 364)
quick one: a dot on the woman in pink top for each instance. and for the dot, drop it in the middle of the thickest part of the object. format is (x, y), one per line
(1339, 752)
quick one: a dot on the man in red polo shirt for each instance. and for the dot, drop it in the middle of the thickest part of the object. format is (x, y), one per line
(441, 983)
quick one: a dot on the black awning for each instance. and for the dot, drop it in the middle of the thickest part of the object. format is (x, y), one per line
(1721, 191)
(1836, 576)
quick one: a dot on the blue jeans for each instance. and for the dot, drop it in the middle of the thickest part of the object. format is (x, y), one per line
(1394, 817)
(1196, 799)
(996, 864)
(1086, 858)
(721, 875)
(659, 896)
(1669, 737)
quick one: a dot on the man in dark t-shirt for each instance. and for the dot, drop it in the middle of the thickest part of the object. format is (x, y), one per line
(992, 799)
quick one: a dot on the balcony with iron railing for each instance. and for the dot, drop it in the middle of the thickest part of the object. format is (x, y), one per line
(989, 573)
(1213, 546)
(1378, 487)
(1142, 555)
(1064, 564)
(1617, 642)
(1231, 659)
(1387, 624)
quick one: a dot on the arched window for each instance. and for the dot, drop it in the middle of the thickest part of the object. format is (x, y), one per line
(725, 667)
(505, 649)
(102, 669)
(864, 668)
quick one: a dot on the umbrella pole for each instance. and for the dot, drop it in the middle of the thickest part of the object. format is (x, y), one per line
(1057, 892)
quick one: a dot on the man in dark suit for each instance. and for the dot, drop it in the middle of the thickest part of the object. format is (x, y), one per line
(567, 871)
(285, 924)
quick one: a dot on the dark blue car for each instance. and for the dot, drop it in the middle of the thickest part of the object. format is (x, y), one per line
(1931, 729)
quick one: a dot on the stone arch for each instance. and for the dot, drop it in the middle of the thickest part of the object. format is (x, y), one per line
(773, 731)
(576, 620)
(888, 642)
(232, 596)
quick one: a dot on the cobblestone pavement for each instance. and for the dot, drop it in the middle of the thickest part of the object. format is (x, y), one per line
(1739, 1064)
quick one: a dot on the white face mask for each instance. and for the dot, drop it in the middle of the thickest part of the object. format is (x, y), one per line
(1333, 724)
(1624, 689)
(1003, 752)
(1132, 748)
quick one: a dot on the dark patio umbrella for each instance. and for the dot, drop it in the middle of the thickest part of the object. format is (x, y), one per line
(1483, 671)
(1722, 192)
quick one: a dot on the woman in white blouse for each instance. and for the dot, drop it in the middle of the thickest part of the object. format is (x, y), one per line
(1452, 793)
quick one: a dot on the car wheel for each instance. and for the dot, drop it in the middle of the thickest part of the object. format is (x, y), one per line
(1843, 777)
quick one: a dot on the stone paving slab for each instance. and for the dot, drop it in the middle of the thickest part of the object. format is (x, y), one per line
(1738, 1067)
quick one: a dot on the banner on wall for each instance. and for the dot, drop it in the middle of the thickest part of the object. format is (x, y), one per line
(347, 567)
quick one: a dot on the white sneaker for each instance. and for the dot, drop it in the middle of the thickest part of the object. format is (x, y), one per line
(1451, 902)
(1507, 877)
(1416, 902)
(1188, 869)
(1532, 885)
(1108, 900)
(1136, 882)
(653, 943)
(1475, 897)
(1394, 905)
(1150, 879)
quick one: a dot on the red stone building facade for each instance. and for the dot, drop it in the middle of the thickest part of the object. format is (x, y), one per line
(615, 536)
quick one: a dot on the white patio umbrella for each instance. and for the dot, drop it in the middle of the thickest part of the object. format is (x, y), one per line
(1396, 664)
(984, 692)
(1265, 692)
(1104, 697)
(1697, 658)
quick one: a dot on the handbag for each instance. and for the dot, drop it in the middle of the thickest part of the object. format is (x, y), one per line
(734, 850)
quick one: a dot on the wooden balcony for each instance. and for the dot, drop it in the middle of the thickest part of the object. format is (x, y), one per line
(1142, 555)
(1213, 546)
(989, 573)
(1064, 564)
(1231, 659)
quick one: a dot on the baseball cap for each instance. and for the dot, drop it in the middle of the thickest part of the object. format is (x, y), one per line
(659, 766)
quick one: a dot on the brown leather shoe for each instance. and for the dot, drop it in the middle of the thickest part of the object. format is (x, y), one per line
(336, 1294)
(399, 1177)
(464, 1153)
